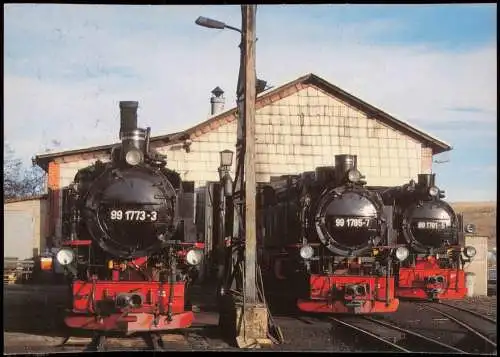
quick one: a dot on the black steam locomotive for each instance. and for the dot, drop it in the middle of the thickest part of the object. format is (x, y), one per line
(328, 242)
(129, 249)
(434, 233)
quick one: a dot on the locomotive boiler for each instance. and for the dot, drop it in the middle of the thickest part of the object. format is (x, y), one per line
(129, 250)
(327, 242)
(434, 233)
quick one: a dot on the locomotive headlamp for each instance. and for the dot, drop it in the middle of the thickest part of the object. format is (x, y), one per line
(133, 157)
(433, 191)
(402, 253)
(469, 251)
(470, 228)
(65, 256)
(354, 175)
(194, 256)
(306, 252)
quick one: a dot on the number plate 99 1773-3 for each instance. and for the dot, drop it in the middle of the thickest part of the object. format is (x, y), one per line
(133, 215)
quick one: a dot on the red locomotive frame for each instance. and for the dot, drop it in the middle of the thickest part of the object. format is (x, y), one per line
(428, 280)
(345, 291)
(162, 304)
(373, 300)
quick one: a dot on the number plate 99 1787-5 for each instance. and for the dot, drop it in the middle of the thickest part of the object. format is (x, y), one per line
(133, 215)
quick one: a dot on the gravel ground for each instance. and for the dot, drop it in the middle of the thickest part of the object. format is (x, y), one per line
(483, 304)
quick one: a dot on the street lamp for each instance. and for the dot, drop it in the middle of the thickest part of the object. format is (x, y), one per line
(226, 160)
(214, 24)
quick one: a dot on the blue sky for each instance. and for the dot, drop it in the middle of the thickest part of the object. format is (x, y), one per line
(434, 66)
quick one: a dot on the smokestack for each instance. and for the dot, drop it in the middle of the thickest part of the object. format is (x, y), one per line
(128, 116)
(426, 180)
(344, 163)
(217, 101)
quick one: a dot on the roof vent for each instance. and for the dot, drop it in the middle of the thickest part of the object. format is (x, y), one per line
(217, 101)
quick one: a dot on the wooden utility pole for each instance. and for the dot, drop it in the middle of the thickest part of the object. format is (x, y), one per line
(250, 286)
(247, 317)
(251, 323)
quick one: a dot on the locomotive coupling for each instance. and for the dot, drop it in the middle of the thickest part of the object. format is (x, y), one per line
(439, 279)
(355, 290)
(128, 300)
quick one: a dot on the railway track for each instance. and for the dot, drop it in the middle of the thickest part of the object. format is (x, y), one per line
(472, 312)
(152, 341)
(478, 336)
(393, 337)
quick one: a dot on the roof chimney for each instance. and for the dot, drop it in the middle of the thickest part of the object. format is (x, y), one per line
(217, 101)
(128, 116)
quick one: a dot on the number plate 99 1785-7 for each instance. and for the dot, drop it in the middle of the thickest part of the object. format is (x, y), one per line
(352, 222)
(133, 215)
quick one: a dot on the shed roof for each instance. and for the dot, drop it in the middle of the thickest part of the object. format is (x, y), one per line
(27, 198)
(266, 98)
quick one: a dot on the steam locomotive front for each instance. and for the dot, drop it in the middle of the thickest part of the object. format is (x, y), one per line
(349, 271)
(427, 222)
(130, 250)
(434, 233)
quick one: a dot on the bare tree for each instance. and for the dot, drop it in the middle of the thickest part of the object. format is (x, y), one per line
(19, 181)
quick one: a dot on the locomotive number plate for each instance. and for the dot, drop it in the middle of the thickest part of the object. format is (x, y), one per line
(352, 222)
(431, 225)
(133, 215)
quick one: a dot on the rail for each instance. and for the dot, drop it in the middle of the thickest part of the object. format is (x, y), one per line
(465, 325)
(477, 314)
(370, 334)
(417, 335)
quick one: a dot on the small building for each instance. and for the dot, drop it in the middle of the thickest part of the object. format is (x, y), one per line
(25, 227)
(479, 264)
(300, 125)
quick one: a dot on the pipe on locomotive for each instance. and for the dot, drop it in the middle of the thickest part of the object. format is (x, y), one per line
(135, 141)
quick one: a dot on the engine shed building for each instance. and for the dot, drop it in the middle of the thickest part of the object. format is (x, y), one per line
(300, 125)
(25, 227)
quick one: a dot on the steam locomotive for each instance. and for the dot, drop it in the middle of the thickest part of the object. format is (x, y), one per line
(327, 243)
(129, 253)
(434, 234)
